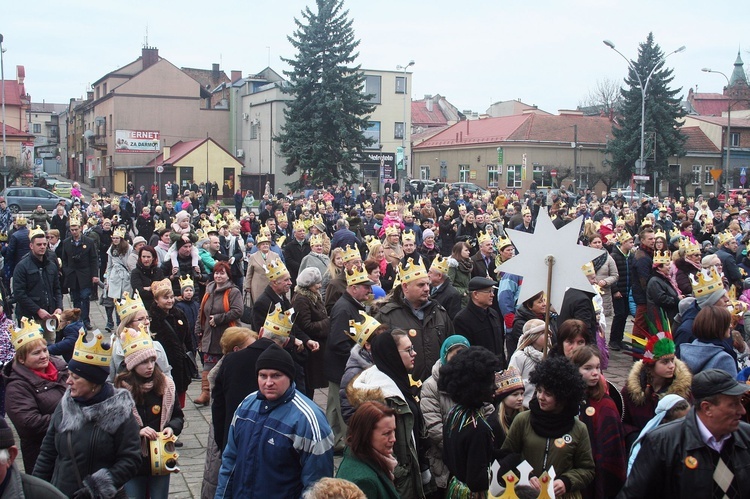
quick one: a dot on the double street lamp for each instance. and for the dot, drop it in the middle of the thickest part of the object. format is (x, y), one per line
(403, 135)
(640, 165)
(727, 172)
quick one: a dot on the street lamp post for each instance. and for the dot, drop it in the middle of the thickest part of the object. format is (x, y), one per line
(640, 165)
(727, 182)
(403, 135)
(2, 80)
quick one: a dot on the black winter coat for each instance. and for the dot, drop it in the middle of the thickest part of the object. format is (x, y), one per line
(661, 295)
(36, 284)
(483, 328)
(80, 263)
(624, 270)
(294, 252)
(577, 304)
(339, 342)
(172, 331)
(142, 277)
(447, 296)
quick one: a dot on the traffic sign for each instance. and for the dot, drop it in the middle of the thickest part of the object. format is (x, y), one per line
(38, 161)
(716, 174)
(160, 169)
(553, 173)
(641, 178)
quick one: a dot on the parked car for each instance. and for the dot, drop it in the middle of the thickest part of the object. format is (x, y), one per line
(62, 189)
(28, 198)
(629, 194)
(468, 186)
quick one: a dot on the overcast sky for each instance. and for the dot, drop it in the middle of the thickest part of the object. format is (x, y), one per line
(474, 52)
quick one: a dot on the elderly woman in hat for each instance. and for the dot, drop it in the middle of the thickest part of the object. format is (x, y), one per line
(312, 321)
(35, 383)
(92, 446)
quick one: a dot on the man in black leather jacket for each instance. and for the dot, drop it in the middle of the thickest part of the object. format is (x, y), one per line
(706, 454)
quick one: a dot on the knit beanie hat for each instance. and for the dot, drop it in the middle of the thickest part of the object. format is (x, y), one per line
(181, 216)
(137, 347)
(428, 233)
(6, 435)
(275, 357)
(95, 374)
(450, 343)
(710, 299)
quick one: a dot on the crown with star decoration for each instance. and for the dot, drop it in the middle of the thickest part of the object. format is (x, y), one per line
(360, 331)
(95, 352)
(279, 321)
(29, 331)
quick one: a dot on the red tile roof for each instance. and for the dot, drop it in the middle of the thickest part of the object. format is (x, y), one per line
(421, 116)
(709, 104)
(178, 151)
(528, 128)
(13, 92)
(11, 131)
(722, 121)
(697, 141)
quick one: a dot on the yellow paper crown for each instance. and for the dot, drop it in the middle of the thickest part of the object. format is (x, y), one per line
(588, 269)
(201, 235)
(298, 225)
(279, 322)
(440, 264)
(95, 352)
(160, 225)
(662, 257)
(187, 282)
(624, 236)
(706, 282)
(408, 235)
(502, 242)
(21, 220)
(366, 205)
(264, 236)
(136, 340)
(357, 275)
(674, 233)
(282, 218)
(391, 230)
(74, 220)
(646, 222)
(691, 248)
(450, 212)
(318, 219)
(316, 239)
(371, 242)
(482, 237)
(660, 233)
(620, 222)
(361, 331)
(93, 221)
(158, 286)
(725, 237)
(411, 271)
(691, 199)
(127, 305)
(163, 455)
(390, 206)
(37, 232)
(30, 330)
(526, 211)
(275, 270)
(677, 206)
(350, 253)
(119, 232)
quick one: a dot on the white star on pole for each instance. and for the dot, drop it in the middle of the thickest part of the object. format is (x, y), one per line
(547, 241)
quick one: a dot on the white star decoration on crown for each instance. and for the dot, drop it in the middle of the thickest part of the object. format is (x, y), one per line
(546, 241)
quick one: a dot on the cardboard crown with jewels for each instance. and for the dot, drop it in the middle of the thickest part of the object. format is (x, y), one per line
(95, 352)
(360, 331)
(264, 236)
(162, 454)
(392, 230)
(135, 340)
(278, 321)
(128, 305)
(350, 253)
(408, 236)
(725, 237)
(29, 331)
(119, 232)
(662, 257)
(186, 282)
(440, 264)
(483, 237)
(275, 270)
(160, 225)
(36, 232)
(411, 271)
(706, 282)
(357, 275)
(299, 225)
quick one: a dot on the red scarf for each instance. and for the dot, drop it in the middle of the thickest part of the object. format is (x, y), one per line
(50, 373)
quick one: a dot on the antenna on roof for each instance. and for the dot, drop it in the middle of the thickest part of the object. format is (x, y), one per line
(145, 39)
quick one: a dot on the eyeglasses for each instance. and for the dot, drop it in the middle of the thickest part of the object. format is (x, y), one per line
(409, 350)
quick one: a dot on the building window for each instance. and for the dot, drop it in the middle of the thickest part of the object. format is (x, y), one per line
(697, 174)
(110, 128)
(514, 176)
(372, 88)
(373, 132)
(254, 130)
(105, 89)
(493, 176)
(37, 128)
(424, 172)
(708, 180)
(542, 176)
(398, 130)
(463, 173)
(735, 139)
(400, 84)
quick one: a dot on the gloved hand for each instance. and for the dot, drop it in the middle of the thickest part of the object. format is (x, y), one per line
(509, 318)
(426, 476)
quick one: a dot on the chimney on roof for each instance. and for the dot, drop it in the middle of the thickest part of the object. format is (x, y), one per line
(236, 75)
(215, 71)
(166, 154)
(90, 95)
(429, 104)
(150, 56)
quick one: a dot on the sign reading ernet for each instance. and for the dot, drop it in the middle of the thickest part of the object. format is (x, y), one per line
(137, 141)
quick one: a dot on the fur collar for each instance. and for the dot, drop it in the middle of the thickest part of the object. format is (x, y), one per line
(680, 383)
(107, 415)
(313, 297)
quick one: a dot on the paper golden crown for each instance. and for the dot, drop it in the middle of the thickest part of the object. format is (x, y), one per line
(691, 199)
(630, 217)
(115, 202)
(282, 218)
(119, 232)
(660, 233)
(440, 264)
(280, 241)
(502, 242)
(37, 232)
(201, 235)
(677, 206)
(187, 282)
(647, 222)
(371, 242)
(275, 270)
(92, 221)
(160, 225)
(624, 237)
(74, 220)
(357, 275)
(408, 236)
(706, 282)
(450, 212)
(366, 205)
(691, 248)
(483, 237)
(662, 257)
(205, 222)
(360, 331)
(674, 233)
(298, 225)
(3, 236)
(128, 305)
(573, 211)
(392, 230)
(350, 253)
(329, 204)
(30, 330)
(159, 286)
(21, 220)
(210, 229)
(526, 211)
(725, 237)
(279, 322)
(95, 352)
(391, 207)
(263, 237)
(411, 271)
(136, 340)
(620, 222)
(220, 225)
(316, 239)
(318, 219)
(163, 455)
(588, 269)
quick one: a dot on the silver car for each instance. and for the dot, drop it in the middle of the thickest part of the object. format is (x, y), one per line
(28, 198)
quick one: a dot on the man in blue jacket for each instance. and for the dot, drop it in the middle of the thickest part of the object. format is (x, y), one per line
(279, 442)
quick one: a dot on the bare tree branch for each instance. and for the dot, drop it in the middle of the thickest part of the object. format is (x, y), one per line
(603, 98)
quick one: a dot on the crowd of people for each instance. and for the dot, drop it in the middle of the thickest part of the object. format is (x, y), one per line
(398, 307)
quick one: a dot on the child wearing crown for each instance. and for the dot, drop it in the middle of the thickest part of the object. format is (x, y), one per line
(183, 233)
(157, 409)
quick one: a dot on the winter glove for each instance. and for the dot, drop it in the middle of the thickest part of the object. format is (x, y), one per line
(509, 318)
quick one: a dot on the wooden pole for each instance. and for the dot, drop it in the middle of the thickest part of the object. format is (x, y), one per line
(550, 262)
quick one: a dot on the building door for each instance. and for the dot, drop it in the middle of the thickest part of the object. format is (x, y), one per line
(424, 172)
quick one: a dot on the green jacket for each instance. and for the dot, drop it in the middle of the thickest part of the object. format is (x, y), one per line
(573, 460)
(373, 482)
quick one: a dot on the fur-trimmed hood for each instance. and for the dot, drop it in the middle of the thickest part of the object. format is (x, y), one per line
(108, 415)
(372, 385)
(680, 385)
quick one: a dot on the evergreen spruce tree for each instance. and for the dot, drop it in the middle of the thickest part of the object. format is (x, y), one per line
(323, 137)
(663, 137)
